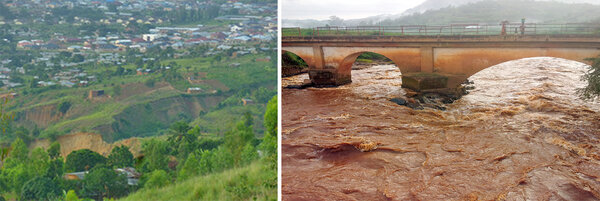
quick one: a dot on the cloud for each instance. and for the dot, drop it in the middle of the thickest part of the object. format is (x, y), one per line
(346, 9)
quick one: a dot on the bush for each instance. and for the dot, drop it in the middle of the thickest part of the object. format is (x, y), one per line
(190, 168)
(149, 82)
(157, 179)
(592, 90)
(71, 196)
(40, 188)
(64, 106)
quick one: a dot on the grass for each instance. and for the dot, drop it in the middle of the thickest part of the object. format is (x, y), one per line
(217, 121)
(253, 182)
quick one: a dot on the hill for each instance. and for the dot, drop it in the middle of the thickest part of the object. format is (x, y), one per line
(498, 10)
(429, 5)
(136, 105)
(442, 12)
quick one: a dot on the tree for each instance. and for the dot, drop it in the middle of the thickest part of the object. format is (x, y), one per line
(120, 70)
(157, 179)
(20, 152)
(156, 155)
(64, 106)
(179, 132)
(206, 162)
(54, 150)
(39, 161)
(190, 168)
(16, 175)
(236, 139)
(40, 188)
(269, 142)
(120, 157)
(592, 90)
(71, 196)
(55, 169)
(83, 159)
(222, 159)
(336, 21)
(64, 54)
(77, 58)
(103, 182)
(248, 119)
(249, 154)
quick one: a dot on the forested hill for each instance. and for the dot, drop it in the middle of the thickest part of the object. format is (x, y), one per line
(498, 10)
(474, 11)
(437, 4)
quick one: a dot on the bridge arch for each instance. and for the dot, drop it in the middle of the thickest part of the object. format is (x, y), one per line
(292, 64)
(305, 53)
(342, 58)
(469, 61)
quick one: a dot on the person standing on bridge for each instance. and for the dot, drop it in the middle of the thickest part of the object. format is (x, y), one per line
(504, 27)
(522, 26)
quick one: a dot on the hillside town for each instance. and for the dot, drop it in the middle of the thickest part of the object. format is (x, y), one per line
(251, 28)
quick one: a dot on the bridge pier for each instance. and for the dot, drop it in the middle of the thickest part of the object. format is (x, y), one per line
(329, 77)
(434, 82)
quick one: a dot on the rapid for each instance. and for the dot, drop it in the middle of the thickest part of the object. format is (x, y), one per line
(521, 134)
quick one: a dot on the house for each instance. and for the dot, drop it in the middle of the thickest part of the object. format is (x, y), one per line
(235, 28)
(266, 59)
(75, 175)
(192, 90)
(247, 101)
(132, 175)
(95, 93)
(67, 83)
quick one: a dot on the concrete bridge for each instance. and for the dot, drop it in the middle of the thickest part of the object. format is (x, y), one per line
(432, 62)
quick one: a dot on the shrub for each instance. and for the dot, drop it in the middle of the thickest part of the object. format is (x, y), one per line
(157, 179)
(40, 188)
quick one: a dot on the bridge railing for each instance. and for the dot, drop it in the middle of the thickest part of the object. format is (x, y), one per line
(450, 30)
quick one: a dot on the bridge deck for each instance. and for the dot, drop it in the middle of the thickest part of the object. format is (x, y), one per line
(472, 40)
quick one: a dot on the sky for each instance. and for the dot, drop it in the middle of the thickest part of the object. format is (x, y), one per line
(345, 9)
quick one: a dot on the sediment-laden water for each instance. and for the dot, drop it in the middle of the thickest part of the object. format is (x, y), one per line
(521, 134)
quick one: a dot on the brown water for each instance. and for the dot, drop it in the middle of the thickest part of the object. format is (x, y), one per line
(522, 134)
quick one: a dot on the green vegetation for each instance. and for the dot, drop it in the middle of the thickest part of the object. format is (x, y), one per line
(183, 165)
(291, 59)
(40, 188)
(150, 96)
(83, 160)
(205, 174)
(592, 90)
(104, 182)
(195, 104)
(120, 157)
(252, 182)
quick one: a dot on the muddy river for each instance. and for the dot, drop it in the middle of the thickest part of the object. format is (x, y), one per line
(521, 134)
